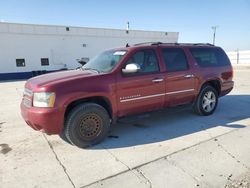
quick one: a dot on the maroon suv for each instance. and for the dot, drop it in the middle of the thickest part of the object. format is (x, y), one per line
(81, 104)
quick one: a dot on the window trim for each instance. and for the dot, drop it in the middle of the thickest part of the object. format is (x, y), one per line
(166, 67)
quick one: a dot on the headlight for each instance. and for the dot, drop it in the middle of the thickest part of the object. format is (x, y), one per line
(44, 99)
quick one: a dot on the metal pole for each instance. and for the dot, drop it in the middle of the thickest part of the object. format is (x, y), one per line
(214, 28)
(127, 30)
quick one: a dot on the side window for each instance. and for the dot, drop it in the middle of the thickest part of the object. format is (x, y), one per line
(209, 57)
(44, 61)
(20, 62)
(175, 59)
(147, 61)
(222, 57)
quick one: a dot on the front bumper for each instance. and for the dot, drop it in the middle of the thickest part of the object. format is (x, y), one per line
(47, 120)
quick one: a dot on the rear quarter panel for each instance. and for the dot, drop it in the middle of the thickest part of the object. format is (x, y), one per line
(224, 74)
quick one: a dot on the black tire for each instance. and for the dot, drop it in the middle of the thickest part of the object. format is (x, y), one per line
(203, 106)
(63, 137)
(87, 124)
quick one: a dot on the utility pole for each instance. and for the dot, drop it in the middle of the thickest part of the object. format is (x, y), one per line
(127, 30)
(214, 29)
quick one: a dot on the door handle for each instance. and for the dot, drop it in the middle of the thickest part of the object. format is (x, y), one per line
(157, 80)
(189, 76)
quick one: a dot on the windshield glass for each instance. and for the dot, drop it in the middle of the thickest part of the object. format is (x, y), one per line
(106, 61)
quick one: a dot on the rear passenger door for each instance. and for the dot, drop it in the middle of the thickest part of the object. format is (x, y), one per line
(180, 83)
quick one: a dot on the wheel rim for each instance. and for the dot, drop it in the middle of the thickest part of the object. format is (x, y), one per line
(209, 101)
(90, 126)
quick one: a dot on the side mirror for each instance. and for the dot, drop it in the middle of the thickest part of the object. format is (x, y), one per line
(131, 68)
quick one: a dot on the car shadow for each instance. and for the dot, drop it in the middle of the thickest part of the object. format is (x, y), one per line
(176, 122)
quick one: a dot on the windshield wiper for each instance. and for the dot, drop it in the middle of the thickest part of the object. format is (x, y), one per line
(90, 69)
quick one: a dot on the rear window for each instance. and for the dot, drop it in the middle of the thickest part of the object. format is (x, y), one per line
(210, 57)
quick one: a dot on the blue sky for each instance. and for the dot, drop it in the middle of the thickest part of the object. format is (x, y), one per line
(192, 18)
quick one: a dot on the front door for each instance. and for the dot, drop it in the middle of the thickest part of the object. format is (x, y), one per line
(144, 90)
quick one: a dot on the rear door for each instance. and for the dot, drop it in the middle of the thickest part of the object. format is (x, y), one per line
(144, 90)
(180, 78)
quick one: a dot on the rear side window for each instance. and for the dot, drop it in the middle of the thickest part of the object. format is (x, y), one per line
(210, 57)
(175, 59)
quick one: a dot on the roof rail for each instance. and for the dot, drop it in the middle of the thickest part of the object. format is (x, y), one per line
(161, 43)
(191, 44)
(206, 44)
(148, 43)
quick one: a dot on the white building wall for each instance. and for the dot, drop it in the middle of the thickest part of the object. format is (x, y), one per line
(33, 42)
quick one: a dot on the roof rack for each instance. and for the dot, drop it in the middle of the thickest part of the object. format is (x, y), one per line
(201, 44)
(147, 43)
(174, 44)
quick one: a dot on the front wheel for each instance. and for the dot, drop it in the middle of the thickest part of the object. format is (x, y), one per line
(207, 101)
(87, 124)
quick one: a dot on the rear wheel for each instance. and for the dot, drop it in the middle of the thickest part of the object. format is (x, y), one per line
(87, 124)
(207, 101)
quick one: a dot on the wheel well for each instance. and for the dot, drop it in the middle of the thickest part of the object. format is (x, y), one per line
(102, 101)
(215, 84)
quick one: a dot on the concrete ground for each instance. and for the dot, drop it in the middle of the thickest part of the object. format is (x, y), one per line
(170, 148)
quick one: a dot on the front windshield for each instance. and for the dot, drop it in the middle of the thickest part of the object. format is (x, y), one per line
(106, 61)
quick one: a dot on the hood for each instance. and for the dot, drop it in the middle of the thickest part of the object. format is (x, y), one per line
(59, 76)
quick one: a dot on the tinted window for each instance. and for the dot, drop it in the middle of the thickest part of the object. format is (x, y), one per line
(175, 59)
(147, 61)
(20, 62)
(208, 57)
(44, 61)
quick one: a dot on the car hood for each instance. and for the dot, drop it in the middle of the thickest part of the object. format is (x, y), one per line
(60, 76)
